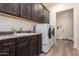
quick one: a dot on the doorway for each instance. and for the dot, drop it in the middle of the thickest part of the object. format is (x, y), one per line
(64, 25)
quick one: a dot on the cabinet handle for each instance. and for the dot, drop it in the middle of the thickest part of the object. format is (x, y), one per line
(7, 43)
(22, 44)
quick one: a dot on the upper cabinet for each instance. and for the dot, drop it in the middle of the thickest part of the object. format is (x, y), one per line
(0, 6)
(41, 13)
(32, 11)
(10, 8)
(26, 10)
(46, 15)
(35, 7)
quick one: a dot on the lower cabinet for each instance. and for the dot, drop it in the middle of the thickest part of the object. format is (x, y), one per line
(7, 47)
(22, 49)
(21, 46)
(28, 45)
(33, 47)
(8, 51)
(39, 44)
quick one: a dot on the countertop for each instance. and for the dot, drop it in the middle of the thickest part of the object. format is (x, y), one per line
(3, 37)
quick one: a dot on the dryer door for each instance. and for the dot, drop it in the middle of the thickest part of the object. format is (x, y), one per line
(53, 32)
(49, 33)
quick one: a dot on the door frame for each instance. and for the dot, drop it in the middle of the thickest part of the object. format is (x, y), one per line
(72, 22)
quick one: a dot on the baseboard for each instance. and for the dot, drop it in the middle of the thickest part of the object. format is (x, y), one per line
(68, 39)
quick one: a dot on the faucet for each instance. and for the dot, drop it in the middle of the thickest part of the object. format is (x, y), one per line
(21, 29)
(13, 30)
(34, 29)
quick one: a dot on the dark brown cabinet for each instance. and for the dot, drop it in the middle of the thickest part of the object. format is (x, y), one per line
(46, 16)
(8, 51)
(32, 11)
(7, 47)
(10, 8)
(22, 49)
(35, 7)
(41, 13)
(28, 45)
(26, 10)
(33, 46)
(22, 46)
(39, 44)
(0, 6)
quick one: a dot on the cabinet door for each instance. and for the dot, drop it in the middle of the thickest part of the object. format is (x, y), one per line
(35, 11)
(33, 47)
(46, 16)
(10, 8)
(22, 49)
(26, 10)
(0, 7)
(41, 13)
(39, 44)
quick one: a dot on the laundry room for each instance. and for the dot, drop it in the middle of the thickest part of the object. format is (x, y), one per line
(39, 29)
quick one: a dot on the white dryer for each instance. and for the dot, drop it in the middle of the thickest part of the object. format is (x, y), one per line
(47, 37)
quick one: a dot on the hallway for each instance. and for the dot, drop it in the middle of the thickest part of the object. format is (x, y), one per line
(62, 48)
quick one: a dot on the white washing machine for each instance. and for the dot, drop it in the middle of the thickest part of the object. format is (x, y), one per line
(47, 37)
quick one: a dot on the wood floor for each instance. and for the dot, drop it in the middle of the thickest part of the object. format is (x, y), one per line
(62, 48)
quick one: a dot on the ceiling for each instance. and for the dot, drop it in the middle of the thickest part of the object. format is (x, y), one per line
(49, 4)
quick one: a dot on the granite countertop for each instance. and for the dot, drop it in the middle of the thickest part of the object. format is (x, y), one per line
(2, 37)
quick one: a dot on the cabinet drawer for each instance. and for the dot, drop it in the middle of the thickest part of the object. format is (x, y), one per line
(7, 43)
(8, 51)
(22, 39)
(33, 37)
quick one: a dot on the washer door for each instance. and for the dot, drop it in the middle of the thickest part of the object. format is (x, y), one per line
(53, 32)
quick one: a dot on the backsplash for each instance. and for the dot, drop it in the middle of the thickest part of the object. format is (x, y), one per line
(7, 23)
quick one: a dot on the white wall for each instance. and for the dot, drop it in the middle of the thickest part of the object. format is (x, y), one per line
(7, 23)
(62, 7)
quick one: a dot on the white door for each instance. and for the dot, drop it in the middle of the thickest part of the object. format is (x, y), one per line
(64, 22)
